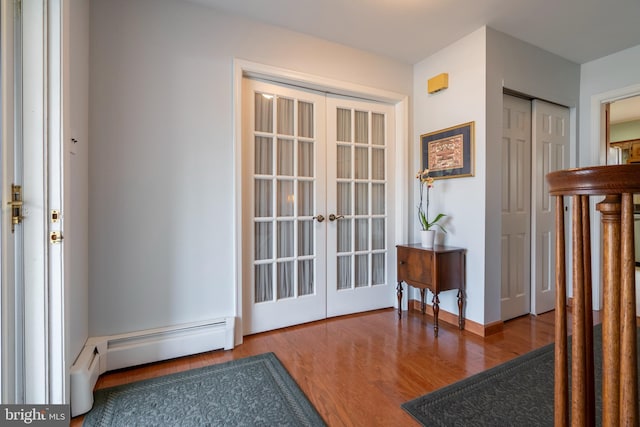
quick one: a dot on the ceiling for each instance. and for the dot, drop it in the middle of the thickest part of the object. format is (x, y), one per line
(412, 30)
(625, 110)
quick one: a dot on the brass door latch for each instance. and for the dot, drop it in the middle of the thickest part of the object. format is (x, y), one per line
(55, 237)
(16, 206)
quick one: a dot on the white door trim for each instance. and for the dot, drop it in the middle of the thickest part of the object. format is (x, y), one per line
(57, 369)
(252, 69)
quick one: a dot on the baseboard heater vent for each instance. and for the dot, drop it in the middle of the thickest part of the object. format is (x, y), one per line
(102, 354)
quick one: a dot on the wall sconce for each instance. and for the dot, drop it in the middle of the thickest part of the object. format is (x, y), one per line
(438, 83)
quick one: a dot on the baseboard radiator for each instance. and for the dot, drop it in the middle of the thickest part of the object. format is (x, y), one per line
(102, 354)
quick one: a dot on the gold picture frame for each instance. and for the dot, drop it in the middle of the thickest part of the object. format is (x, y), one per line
(449, 153)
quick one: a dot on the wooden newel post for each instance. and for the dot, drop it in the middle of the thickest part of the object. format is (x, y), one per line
(628, 337)
(561, 388)
(610, 211)
(619, 347)
(578, 366)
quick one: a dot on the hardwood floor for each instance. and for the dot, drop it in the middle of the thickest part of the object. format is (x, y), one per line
(358, 369)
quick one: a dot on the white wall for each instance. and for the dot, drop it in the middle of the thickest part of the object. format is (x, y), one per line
(480, 66)
(519, 66)
(161, 159)
(76, 169)
(461, 199)
(625, 131)
(603, 80)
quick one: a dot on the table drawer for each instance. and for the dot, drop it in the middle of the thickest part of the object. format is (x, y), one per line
(415, 266)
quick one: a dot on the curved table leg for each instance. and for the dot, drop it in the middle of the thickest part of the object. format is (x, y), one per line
(460, 318)
(399, 293)
(436, 310)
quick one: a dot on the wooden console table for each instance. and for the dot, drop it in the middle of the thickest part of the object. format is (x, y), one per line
(440, 268)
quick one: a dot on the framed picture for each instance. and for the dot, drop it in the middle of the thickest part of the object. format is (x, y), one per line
(449, 153)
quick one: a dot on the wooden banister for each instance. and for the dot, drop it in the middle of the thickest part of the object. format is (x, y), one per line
(620, 376)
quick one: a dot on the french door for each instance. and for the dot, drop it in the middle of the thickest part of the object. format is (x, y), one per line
(315, 206)
(360, 153)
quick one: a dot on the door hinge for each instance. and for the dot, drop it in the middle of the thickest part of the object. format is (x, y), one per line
(55, 237)
(16, 206)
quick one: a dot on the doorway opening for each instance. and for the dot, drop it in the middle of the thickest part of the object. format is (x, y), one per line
(622, 144)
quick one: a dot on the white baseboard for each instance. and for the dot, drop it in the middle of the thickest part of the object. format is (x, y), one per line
(102, 354)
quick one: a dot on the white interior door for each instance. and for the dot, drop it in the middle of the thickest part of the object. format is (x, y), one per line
(284, 205)
(360, 273)
(551, 152)
(33, 346)
(11, 319)
(516, 207)
(317, 227)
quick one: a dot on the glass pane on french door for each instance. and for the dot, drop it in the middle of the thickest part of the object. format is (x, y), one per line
(283, 157)
(360, 173)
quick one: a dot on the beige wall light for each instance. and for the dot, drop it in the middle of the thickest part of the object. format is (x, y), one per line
(438, 83)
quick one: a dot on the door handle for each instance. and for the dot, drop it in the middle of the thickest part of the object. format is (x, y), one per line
(320, 218)
(332, 217)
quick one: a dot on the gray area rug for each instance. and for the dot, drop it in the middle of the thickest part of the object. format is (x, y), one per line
(254, 391)
(516, 393)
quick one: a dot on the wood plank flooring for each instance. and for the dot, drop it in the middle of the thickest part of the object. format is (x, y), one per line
(357, 370)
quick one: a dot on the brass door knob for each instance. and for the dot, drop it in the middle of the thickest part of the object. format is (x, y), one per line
(320, 218)
(332, 217)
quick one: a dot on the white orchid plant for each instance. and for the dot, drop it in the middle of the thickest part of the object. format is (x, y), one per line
(426, 180)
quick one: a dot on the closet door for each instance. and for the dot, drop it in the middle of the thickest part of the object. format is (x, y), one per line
(551, 152)
(535, 142)
(516, 208)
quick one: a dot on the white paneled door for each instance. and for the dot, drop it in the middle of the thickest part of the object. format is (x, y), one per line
(535, 142)
(315, 203)
(516, 207)
(550, 132)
